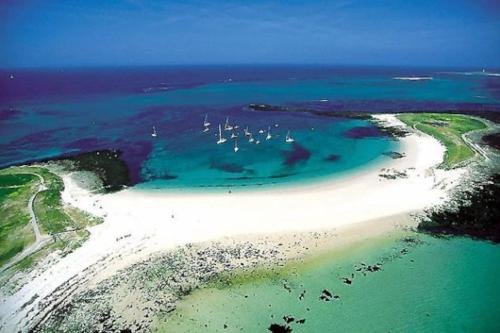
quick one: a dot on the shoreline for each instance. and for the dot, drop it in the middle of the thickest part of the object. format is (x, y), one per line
(131, 231)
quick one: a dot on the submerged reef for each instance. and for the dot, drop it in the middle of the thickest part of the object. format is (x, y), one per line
(296, 155)
(361, 132)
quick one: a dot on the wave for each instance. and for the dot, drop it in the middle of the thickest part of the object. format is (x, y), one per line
(480, 73)
(159, 87)
(412, 78)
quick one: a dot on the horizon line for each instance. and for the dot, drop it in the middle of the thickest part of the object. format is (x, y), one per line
(243, 64)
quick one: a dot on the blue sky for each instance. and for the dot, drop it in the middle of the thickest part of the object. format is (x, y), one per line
(136, 32)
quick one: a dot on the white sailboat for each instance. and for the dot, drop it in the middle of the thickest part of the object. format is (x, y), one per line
(288, 138)
(227, 127)
(222, 139)
(261, 131)
(205, 122)
(247, 132)
(206, 129)
(236, 146)
(251, 139)
(269, 136)
(154, 134)
(234, 135)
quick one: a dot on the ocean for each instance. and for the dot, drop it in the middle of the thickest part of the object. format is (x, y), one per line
(47, 113)
(425, 285)
(434, 285)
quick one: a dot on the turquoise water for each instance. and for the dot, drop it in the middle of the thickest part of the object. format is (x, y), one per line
(321, 149)
(437, 286)
(48, 113)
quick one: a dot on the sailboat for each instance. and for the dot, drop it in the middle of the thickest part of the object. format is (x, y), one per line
(206, 129)
(247, 133)
(205, 122)
(261, 131)
(227, 127)
(234, 135)
(236, 146)
(288, 138)
(154, 134)
(269, 136)
(251, 139)
(221, 138)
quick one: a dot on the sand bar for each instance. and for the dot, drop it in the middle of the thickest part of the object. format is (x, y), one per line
(138, 223)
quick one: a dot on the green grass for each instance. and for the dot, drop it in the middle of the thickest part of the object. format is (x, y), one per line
(448, 129)
(17, 185)
(15, 179)
(15, 231)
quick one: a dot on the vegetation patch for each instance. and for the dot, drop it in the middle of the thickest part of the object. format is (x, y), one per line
(15, 230)
(449, 130)
(66, 225)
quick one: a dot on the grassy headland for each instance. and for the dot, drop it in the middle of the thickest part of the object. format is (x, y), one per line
(449, 130)
(66, 225)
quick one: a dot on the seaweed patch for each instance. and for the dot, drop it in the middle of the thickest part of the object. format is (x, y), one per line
(297, 155)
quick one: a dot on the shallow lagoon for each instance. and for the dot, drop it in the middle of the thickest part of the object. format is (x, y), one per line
(431, 285)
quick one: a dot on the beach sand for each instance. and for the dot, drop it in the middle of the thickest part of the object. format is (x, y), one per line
(138, 224)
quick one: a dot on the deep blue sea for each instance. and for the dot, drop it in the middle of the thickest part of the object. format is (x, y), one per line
(51, 112)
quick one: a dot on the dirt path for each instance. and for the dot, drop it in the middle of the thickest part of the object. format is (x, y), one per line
(34, 222)
(475, 146)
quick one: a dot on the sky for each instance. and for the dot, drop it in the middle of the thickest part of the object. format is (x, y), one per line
(47, 33)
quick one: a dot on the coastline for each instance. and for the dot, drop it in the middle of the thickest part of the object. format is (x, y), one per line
(131, 231)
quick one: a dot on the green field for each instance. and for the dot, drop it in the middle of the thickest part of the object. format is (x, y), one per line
(66, 225)
(15, 230)
(448, 129)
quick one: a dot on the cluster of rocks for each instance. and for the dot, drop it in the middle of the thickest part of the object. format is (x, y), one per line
(285, 328)
(362, 268)
(394, 154)
(132, 298)
(473, 210)
(328, 296)
(389, 173)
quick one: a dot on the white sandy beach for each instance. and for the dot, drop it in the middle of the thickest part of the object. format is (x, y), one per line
(154, 221)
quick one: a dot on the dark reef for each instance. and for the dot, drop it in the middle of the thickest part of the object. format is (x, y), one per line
(298, 154)
(132, 153)
(477, 214)
(276, 328)
(393, 154)
(309, 109)
(361, 132)
(108, 165)
(332, 158)
(227, 167)
(492, 140)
